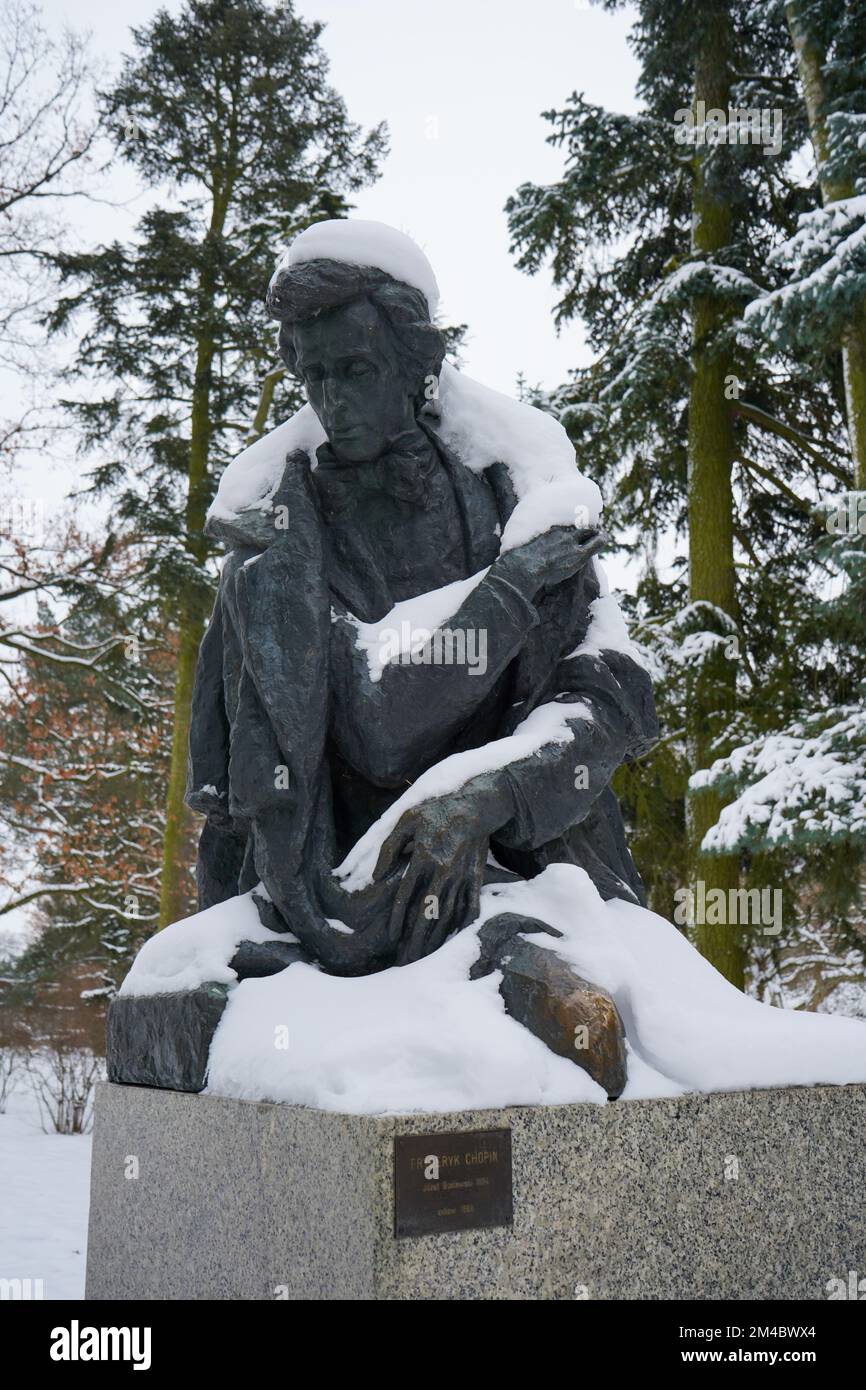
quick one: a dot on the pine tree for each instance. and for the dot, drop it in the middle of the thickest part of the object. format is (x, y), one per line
(660, 235)
(711, 696)
(827, 292)
(800, 788)
(225, 111)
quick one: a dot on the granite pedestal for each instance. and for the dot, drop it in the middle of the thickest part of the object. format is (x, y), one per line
(757, 1194)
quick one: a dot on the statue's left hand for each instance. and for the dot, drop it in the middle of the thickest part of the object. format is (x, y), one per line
(445, 841)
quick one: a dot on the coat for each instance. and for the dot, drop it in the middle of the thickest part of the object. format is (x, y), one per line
(295, 749)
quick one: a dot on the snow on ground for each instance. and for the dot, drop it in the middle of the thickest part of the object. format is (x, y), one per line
(423, 1037)
(44, 1200)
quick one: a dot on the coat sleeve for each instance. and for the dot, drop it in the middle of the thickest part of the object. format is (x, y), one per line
(605, 714)
(391, 728)
(581, 680)
(207, 784)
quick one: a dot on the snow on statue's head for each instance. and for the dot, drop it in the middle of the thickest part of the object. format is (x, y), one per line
(355, 303)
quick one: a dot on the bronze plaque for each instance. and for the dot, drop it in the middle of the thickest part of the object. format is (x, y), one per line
(452, 1182)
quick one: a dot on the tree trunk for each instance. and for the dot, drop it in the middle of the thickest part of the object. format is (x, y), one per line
(810, 61)
(266, 399)
(854, 363)
(176, 881)
(711, 447)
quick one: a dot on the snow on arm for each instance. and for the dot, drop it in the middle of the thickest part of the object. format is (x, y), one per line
(407, 627)
(607, 629)
(549, 724)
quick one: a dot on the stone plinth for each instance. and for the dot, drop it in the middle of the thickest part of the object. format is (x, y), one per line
(750, 1195)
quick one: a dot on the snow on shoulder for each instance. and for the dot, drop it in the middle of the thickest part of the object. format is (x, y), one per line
(480, 425)
(252, 478)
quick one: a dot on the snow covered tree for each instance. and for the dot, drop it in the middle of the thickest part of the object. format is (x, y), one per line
(660, 235)
(800, 789)
(824, 300)
(225, 111)
(84, 749)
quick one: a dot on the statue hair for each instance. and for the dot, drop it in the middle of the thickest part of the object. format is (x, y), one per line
(307, 289)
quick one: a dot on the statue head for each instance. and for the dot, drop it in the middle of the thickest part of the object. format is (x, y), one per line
(364, 346)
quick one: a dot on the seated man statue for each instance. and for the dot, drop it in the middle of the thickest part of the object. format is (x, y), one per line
(367, 784)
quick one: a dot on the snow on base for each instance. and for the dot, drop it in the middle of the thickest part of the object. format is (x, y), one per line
(424, 1038)
(683, 1018)
(197, 949)
(420, 1037)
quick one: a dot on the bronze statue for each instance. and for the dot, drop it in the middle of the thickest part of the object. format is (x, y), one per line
(482, 752)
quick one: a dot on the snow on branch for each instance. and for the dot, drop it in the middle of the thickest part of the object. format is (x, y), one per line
(806, 784)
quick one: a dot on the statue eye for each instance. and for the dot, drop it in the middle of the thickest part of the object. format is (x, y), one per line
(359, 367)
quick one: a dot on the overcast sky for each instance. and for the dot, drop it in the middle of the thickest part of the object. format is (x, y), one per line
(461, 84)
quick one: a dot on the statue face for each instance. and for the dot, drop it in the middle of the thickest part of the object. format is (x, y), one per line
(355, 382)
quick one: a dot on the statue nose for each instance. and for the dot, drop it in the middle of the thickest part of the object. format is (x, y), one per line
(335, 405)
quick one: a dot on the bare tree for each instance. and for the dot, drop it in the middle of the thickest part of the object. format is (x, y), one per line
(62, 1079)
(11, 1061)
(47, 138)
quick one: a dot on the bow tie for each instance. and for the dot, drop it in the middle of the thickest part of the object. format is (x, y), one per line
(402, 473)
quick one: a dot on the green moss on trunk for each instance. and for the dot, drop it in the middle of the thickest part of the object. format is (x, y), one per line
(711, 450)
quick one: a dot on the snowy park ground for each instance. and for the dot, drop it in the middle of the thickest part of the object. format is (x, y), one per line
(44, 1199)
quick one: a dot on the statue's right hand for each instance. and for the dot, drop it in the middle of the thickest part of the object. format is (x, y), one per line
(548, 560)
